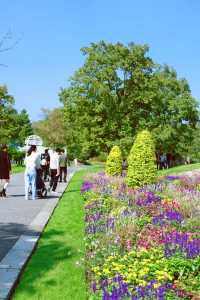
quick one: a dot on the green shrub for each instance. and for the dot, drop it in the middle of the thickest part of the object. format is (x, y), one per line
(141, 161)
(16, 155)
(114, 162)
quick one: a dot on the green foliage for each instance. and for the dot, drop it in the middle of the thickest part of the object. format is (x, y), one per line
(192, 148)
(119, 91)
(102, 157)
(52, 128)
(114, 162)
(16, 156)
(23, 127)
(17, 169)
(7, 113)
(141, 161)
(14, 126)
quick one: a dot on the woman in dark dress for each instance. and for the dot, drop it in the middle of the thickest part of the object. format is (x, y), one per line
(5, 168)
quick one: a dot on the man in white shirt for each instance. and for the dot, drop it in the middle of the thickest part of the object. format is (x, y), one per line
(54, 170)
(63, 165)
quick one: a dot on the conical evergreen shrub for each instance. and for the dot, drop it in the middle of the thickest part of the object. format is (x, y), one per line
(114, 162)
(142, 161)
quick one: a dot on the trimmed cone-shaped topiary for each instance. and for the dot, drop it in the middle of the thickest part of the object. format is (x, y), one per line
(114, 162)
(142, 161)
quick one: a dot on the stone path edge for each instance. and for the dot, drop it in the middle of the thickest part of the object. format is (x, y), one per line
(13, 264)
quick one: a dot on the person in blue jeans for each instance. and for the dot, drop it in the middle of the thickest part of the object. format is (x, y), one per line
(32, 162)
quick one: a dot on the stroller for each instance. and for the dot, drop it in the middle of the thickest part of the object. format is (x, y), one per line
(40, 185)
(41, 189)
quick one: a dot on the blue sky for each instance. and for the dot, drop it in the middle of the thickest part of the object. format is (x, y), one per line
(51, 33)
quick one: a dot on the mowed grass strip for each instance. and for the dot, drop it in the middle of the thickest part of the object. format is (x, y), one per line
(56, 269)
(179, 169)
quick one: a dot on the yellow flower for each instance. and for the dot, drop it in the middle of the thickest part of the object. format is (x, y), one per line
(142, 273)
(146, 270)
(160, 278)
(106, 271)
(143, 282)
(96, 269)
(109, 258)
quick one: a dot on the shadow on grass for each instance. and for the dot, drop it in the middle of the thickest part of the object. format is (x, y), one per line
(50, 252)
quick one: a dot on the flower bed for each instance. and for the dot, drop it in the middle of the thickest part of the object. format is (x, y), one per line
(142, 243)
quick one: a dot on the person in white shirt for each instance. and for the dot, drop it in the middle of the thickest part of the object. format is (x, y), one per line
(54, 170)
(63, 165)
(32, 162)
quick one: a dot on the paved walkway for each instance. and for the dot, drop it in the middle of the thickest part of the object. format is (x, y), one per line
(21, 222)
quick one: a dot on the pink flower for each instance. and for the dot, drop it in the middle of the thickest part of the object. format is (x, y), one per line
(128, 245)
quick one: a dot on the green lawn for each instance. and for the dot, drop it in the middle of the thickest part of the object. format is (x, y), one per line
(17, 169)
(56, 270)
(179, 169)
(175, 170)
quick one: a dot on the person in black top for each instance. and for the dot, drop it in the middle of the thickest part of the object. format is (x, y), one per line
(5, 168)
(45, 161)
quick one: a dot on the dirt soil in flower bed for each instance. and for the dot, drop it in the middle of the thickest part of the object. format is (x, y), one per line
(142, 243)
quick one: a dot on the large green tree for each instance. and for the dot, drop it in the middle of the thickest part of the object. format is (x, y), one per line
(7, 113)
(23, 127)
(14, 126)
(175, 113)
(118, 91)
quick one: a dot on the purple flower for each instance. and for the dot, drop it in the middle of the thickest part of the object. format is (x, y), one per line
(118, 289)
(94, 287)
(168, 215)
(147, 198)
(110, 223)
(87, 185)
(94, 217)
(182, 244)
(172, 177)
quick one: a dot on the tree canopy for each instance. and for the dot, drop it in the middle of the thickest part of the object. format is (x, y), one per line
(14, 126)
(52, 128)
(120, 90)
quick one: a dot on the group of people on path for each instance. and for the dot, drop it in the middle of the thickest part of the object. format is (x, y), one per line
(48, 167)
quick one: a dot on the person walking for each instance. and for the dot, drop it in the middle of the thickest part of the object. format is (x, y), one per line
(45, 161)
(63, 166)
(5, 169)
(163, 161)
(54, 170)
(32, 163)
